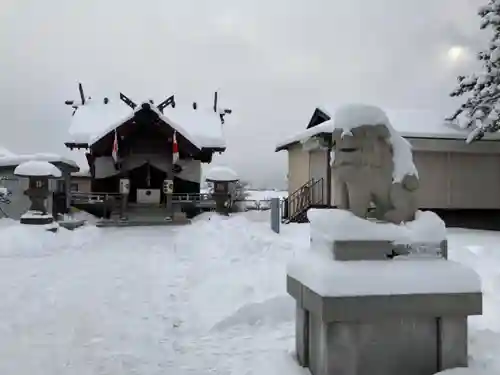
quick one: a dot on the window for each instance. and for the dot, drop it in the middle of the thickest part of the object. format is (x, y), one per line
(74, 186)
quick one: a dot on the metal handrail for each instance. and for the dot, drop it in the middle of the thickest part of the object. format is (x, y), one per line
(312, 192)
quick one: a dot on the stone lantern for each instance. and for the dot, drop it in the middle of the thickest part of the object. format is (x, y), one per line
(222, 178)
(38, 174)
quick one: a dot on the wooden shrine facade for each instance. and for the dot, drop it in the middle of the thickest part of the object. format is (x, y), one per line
(144, 156)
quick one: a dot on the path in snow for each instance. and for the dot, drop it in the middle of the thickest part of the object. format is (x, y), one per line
(202, 299)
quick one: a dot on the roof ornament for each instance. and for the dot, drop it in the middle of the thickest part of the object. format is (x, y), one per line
(75, 104)
(169, 101)
(222, 112)
(127, 101)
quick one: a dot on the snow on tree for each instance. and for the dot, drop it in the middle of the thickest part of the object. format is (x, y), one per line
(481, 111)
(239, 194)
(241, 190)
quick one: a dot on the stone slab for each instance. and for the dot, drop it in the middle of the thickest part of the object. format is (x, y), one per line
(36, 220)
(366, 307)
(384, 250)
(362, 250)
(71, 224)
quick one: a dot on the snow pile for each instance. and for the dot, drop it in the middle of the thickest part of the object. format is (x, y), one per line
(4, 190)
(352, 116)
(205, 298)
(363, 278)
(21, 240)
(37, 168)
(466, 371)
(13, 160)
(237, 247)
(223, 174)
(328, 226)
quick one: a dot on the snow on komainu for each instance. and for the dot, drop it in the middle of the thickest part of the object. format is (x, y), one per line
(373, 164)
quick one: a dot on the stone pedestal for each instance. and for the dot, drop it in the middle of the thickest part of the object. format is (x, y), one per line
(399, 319)
(36, 218)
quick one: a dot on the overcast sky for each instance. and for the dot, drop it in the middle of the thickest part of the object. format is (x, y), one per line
(272, 60)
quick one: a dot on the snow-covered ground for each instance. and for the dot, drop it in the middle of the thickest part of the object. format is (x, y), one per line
(208, 298)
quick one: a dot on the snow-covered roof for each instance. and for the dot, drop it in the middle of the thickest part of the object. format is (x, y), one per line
(220, 173)
(83, 173)
(14, 160)
(95, 119)
(37, 168)
(409, 123)
(4, 152)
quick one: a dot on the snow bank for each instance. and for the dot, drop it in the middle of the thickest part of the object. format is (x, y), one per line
(342, 225)
(361, 278)
(37, 168)
(224, 174)
(466, 371)
(21, 240)
(352, 116)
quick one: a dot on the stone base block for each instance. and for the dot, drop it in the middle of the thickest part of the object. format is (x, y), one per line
(37, 220)
(389, 334)
(410, 345)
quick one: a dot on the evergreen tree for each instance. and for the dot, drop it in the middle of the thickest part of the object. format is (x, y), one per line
(480, 113)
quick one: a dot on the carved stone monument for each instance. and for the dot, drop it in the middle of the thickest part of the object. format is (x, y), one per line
(222, 179)
(375, 293)
(38, 174)
(373, 165)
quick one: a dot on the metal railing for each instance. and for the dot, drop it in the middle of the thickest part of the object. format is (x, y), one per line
(311, 193)
(190, 197)
(77, 197)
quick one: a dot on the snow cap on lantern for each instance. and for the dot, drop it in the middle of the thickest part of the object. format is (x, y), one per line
(221, 174)
(37, 168)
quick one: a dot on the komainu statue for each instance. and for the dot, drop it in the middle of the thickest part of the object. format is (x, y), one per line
(373, 169)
